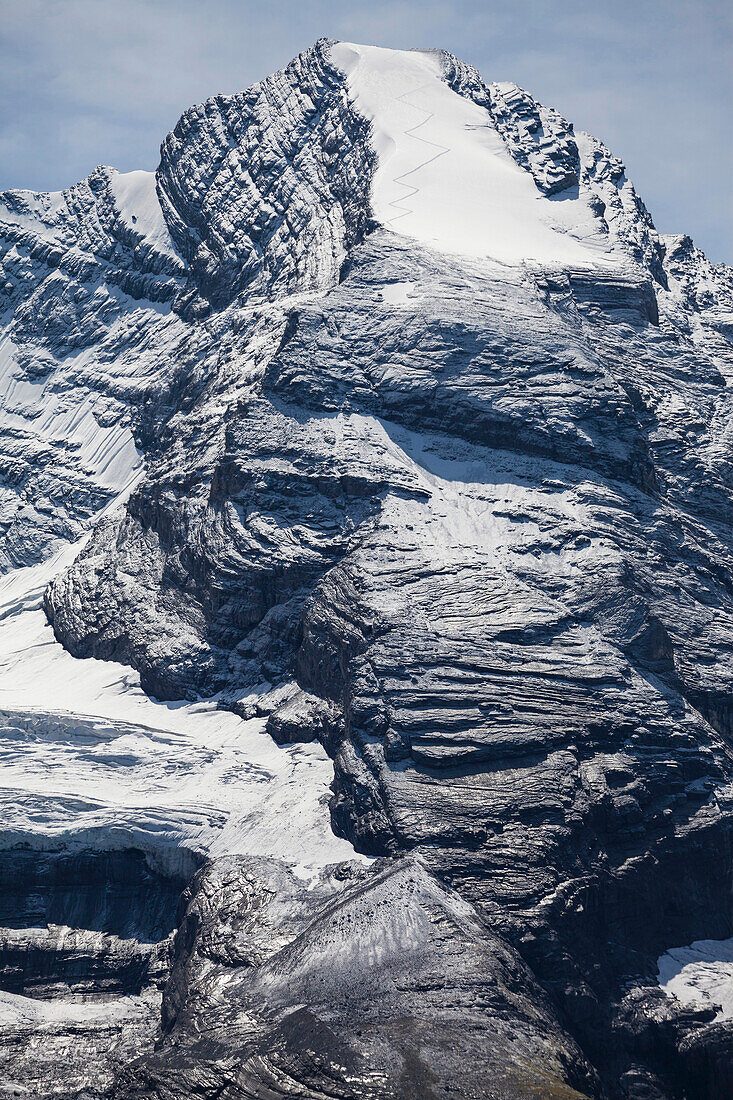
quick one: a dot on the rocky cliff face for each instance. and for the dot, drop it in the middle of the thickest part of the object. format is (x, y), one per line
(383, 415)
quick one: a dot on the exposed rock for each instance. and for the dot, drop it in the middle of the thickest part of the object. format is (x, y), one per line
(267, 191)
(84, 954)
(708, 1059)
(387, 988)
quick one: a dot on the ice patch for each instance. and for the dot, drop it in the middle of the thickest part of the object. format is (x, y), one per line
(445, 176)
(701, 972)
(87, 757)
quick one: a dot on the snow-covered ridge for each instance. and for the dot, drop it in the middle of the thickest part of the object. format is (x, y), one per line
(87, 274)
(109, 205)
(266, 191)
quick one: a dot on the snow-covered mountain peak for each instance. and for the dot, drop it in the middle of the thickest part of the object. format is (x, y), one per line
(445, 174)
(375, 451)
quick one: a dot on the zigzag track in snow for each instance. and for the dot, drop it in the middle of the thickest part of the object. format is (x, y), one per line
(397, 203)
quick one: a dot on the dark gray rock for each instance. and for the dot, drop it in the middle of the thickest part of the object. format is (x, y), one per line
(387, 988)
(85, 950)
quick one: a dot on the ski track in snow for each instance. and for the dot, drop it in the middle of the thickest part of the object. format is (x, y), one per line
(411, 172)
(472, 198)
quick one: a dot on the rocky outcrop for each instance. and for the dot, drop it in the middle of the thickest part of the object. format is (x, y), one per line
(90, 921)
(570, 166)
(84, 953)
(87, 287)
(268, 191)
(382, 986)
(73, 1049)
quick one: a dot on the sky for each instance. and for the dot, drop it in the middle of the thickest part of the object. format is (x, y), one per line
(87, 82)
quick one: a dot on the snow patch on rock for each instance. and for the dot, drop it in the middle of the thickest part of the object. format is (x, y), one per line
(700, 972)
(397, 294)
(137, 201)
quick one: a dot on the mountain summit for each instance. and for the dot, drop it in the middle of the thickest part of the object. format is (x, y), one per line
(366, 643)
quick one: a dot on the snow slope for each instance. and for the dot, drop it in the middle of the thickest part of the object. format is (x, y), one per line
(445, 176)
(50, 215)
(66, 419)
(138, 204)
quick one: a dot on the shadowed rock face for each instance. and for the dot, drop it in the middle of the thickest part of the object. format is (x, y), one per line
(89, 921)
(467, 524)
(101, 891)
(84, 953)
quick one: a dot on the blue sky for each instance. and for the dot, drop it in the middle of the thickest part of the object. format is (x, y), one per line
(84, 82)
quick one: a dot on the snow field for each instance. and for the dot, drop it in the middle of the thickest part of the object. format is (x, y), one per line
(432, 143)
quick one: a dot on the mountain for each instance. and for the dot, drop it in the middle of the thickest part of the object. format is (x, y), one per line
(366, 641)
